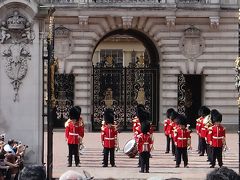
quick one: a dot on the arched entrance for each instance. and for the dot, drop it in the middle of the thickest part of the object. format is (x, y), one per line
(122, 81)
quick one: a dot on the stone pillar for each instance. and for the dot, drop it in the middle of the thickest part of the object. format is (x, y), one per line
(20, 82)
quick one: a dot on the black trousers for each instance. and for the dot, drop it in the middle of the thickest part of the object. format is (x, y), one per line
(144, 158)
(209, 152)
(173, 147)
(105, 156)
(168, 143)
(203, 146)
(73, 150)
(199, 143)
(181, 152)
(217, 154)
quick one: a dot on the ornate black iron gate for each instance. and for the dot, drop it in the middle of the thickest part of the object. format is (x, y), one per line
(64, 97)
(122, 89)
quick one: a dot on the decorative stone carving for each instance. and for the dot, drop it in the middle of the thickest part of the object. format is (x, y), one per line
(214, 22)
(83, 20)
(192, 44)
(63, 45)
(170, 21)
(127, 21)
(16, 29)
(17, 56)
(16, 35)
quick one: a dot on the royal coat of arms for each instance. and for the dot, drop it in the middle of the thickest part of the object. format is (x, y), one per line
(192, 43)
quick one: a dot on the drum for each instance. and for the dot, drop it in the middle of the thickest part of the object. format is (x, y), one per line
(130, 148)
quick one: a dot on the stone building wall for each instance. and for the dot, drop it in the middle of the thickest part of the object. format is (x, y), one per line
(165, 28)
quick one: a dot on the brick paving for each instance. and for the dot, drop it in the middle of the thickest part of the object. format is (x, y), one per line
(161, 164)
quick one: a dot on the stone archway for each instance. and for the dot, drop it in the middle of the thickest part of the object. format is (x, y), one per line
(122, 87)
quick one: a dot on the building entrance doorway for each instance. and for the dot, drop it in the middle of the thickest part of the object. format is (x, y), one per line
(190, 96)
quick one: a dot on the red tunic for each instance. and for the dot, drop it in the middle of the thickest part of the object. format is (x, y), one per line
(173, 127)
(167, 127)
(208, 136)
(218, 135)
(198, 125)
(81, 125)
(203, 130)
(144, 142)
(136, 124)
(73, 131)
(109, 136)
(182, 137)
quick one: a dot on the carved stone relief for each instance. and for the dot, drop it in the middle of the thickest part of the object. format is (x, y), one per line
(170, 21)
(192, 43)
(127, 21)
(214, 22)
(63, 45)
(16, 35)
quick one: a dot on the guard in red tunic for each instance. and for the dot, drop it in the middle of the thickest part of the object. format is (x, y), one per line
(145, 145)
(203, 130)
(166, 129)
(73, 133)
(198, 127)
(81, 126)
(136, 121)
(183, 141)
(217, 139)
(109, 138)
(172, 129)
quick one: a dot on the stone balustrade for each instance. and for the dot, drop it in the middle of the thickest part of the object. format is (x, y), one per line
(141, 3)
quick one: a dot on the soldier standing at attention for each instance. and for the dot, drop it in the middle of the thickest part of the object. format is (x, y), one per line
(81, 127)
(109, 137)
(218, 140)
(73, 133)
(183, 141)
(145, 143)
(167, 129)
(172, 129)
(203, 130)
(136, 121)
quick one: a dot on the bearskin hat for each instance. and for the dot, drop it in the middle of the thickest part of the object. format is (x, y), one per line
(145, 127)
(74, 113)
(216, 116)
(140, 107)
(143, 116)
(79, 109)
(182, 120)
(169, 111)
(203, 111)
(173, 115)
(109, 116)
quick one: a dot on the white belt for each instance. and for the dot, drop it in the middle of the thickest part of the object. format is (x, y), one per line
(214, 137)
(73, 134)
(181, 138)
(204, 128)
(110, 138)
(146, 143)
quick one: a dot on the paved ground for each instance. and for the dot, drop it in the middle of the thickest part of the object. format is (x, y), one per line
(161, 164)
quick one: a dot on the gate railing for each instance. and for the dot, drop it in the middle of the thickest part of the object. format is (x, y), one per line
(122, 89)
